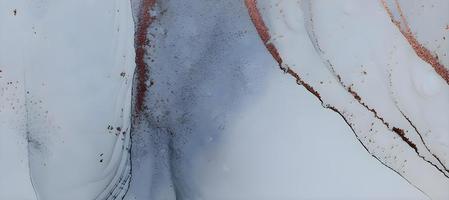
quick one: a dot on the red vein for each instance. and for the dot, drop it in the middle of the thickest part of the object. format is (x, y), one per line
(419, 49)
(262, 30)
(265, 36)
(141, 41)
(423, 53)
(400, 132)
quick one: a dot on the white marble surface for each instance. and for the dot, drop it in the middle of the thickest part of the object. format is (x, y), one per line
(66, 75)
(351, 112)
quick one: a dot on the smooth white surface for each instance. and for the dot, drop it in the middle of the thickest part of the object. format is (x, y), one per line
(76, 63)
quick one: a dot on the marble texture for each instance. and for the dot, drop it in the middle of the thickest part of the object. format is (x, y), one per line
(66, 81)
(224, 100)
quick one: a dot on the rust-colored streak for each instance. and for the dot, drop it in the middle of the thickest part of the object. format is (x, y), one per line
(262, 29)
(419, 49)
(264, 34)
(299, 81)
(425, 55)
(400, 132)
(141, 41)
(425, 144)
(265, 37)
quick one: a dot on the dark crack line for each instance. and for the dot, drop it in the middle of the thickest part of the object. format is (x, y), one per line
(424, 54)
(27, 132)
(265, 36)
(423, 141)
(375, 157)
(416, 130)
(399, 131)
(141, 75)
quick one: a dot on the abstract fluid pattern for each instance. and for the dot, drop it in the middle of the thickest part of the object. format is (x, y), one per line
(388, 94)
(224, 99)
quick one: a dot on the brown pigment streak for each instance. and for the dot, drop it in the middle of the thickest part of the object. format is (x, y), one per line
(400, 132)
(366, 148)
(359, 99)
(425, 144)
(262, 30)
(141, 42)
(422, 52)
(265, 36)
(299, 81)
(425, 55)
